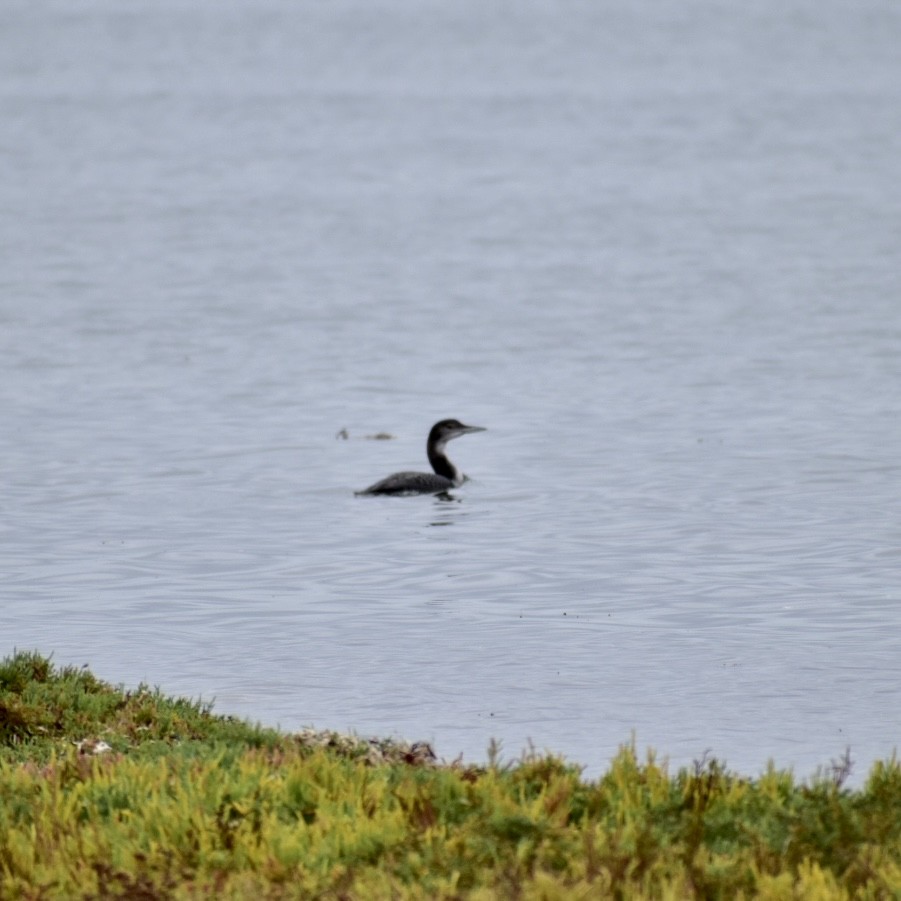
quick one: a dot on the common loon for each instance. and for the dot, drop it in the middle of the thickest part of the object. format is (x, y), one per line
(446, 475)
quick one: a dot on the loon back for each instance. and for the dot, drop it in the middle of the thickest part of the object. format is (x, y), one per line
(445, 475)
(402, 483)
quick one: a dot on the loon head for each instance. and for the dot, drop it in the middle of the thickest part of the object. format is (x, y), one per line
(447, 430)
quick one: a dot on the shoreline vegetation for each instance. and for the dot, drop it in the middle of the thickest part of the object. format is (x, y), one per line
(107, 793)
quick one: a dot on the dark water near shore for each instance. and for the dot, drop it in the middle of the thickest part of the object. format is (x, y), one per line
(654, 248)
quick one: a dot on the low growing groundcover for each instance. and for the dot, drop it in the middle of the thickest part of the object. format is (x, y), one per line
(107, 793)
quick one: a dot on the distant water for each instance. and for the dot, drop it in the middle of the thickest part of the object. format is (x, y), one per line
(653, 247)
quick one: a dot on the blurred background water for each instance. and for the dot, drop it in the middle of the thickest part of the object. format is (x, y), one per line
(653, 247)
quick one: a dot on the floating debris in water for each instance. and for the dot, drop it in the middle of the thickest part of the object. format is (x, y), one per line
(344, 435)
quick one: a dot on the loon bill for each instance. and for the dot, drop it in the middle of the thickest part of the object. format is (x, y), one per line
(445, 476)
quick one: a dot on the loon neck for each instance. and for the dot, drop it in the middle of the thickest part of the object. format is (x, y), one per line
(443, 466)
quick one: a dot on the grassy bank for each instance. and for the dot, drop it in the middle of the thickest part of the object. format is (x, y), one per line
(107, 793)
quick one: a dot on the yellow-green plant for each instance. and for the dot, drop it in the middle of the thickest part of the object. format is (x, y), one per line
(185, 804)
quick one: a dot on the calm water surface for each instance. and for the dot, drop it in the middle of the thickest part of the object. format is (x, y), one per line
(654, 249)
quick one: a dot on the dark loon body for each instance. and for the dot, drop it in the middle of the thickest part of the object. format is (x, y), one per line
(445, 476)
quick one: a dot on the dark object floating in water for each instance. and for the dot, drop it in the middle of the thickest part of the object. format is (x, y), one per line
(378, 436)
(445, 476)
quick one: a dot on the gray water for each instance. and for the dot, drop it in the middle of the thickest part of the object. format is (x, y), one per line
(653, 247)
